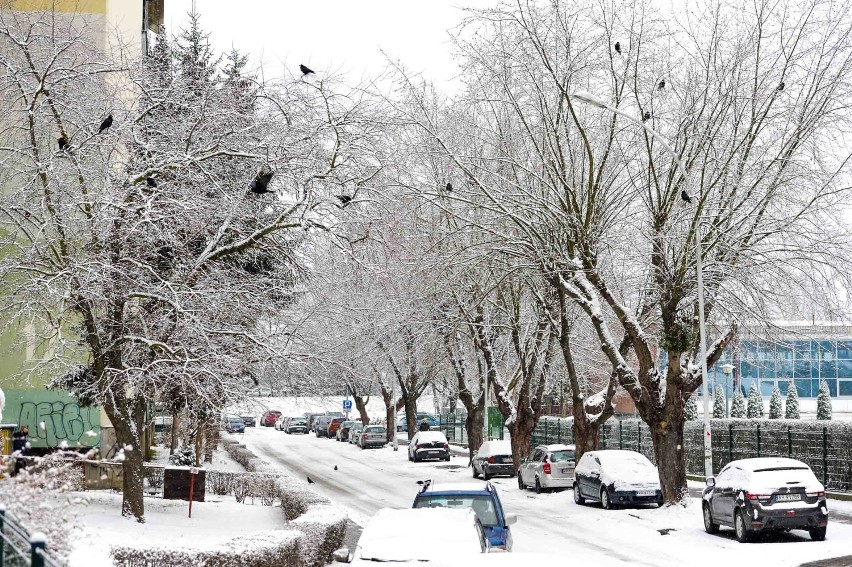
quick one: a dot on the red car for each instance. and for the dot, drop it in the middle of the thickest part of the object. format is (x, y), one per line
(334, 425)
(269, 418)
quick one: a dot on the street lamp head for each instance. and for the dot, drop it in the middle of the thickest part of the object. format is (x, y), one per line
(589, 98)
(728, 368)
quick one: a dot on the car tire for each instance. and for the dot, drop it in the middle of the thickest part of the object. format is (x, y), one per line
(538, 488)
(485, 475)
(473, 468)
(709, 526)
(606, 503)
(521, 484)
(740, 530)
(416, 458)
(578, 498)
(818, 534)
(447, 458)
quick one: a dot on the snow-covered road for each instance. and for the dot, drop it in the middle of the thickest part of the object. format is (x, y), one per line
(368, 480)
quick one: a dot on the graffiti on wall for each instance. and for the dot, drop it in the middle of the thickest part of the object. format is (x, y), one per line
(53, 418)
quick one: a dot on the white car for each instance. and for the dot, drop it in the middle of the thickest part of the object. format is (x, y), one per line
(398, 536)
(617, 478)
(547, 467)
(493, 458)
(428, 445)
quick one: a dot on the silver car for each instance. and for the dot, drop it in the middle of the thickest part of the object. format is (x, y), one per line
(373, 436)
(548, 467)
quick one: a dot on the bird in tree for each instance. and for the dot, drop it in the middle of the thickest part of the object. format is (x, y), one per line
(310, 481)
(449, 187)
(305, 70)
(335, 467)
(685, 196)
(781, 86)
(662, 84)
(63, 143)
(618, 47)
(646, 116)
(151, 182)
(345, 199)
(105, 124)
(260, 184)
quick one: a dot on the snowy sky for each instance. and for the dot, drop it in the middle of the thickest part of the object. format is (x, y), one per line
(339, 35)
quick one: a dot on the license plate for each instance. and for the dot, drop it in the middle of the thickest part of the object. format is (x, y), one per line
(646, 492)
(564, 471)
(787, 497)
(375, 436)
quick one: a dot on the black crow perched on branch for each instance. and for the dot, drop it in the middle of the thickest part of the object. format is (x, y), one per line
(685, 196)
(618, 48)
(260, 183)
(662, 84)
(105, 124)
(151, 182)
(646, 116)
(305, 70)
(345, 199)
(449, 187)
(63, 143)
(781, 86)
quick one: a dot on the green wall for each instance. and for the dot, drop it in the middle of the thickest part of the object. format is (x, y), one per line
(53, 417)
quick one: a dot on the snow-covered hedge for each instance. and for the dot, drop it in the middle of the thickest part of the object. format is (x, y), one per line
(324, 526)
(282, 548)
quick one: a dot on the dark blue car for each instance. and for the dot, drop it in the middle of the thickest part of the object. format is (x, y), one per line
(483, 499)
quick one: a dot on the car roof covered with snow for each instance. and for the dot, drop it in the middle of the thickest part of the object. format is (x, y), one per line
(491, 448)
(768, 463)
(455, 487)
(559, 447)
(430, 436)
(398, 535)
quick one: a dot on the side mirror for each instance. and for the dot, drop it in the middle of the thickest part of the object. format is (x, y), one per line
(710, 481)
(341, 555)
(511, 519)
(524, 460)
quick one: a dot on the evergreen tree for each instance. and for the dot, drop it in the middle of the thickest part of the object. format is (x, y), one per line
(691, 409)
(824, 401)
(791, 410)
(718, 403)
(775, 404)
(755, 403)
(738, 405)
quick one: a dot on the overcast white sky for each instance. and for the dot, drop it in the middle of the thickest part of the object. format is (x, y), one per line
(338, 35)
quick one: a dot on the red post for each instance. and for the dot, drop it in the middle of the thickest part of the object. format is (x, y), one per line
(192, 472)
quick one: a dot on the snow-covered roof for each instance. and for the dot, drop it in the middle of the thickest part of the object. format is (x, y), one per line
(457, 487)
(490, 448)
(559, 447)
(431, 436)
(398, 535)
(758, 463)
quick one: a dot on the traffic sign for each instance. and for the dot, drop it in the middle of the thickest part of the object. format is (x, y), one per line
(347, 405)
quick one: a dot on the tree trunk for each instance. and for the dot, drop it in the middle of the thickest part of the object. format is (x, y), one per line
(586, 437)
(361, 406)
(410, 405)
(199, 438)
(390, 412)
(520, 432)
(473, 427)
(667, 438)
(173, 443)
(210, 441)
(127, 423)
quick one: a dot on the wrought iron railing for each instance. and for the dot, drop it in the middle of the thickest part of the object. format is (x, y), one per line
(19, 548)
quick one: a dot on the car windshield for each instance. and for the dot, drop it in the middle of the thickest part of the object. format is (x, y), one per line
(775, 478)
(298, 421)
(375, 429)
(235, 420)
(482, 504)
(560, 456)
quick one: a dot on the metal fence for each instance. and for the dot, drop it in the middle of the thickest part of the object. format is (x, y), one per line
(825, 446)
(452, 426)
(19, 548)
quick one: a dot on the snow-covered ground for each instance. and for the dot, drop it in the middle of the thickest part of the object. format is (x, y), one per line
(550, 523)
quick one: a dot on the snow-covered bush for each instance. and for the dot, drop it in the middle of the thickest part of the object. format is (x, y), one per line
(183, 457)
(823, 401)
(276, 547)
(775, 404)
(324, 527)
(791, 408)
(718, 402)
(691, 409)
(755, 403)
(738, 406)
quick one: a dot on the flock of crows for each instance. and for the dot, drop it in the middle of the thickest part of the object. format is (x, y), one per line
(260, 185)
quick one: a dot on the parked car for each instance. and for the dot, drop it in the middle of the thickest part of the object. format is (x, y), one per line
(402, 424)
(548, 467)
(373, 436)
(493, 458)
(234, 424)
(333, 426)
(312, 420)
(280, 423)
(765, 494)
(616, 478)
(397, 536)
(269, 418)
(321, 425)
(296, 425)
(428, 445)
(249, 420)
(355, 432)
(483, 500)
(343, 431)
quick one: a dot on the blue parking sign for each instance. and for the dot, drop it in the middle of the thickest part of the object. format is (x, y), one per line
(347, 405)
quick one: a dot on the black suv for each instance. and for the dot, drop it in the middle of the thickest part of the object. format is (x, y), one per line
(765, 494)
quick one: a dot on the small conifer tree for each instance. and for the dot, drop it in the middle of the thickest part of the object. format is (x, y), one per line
(718, 403)
(823, 401)
(791, 409)
(738, 405)
(691, 409)
(755, 403)
(775, 404)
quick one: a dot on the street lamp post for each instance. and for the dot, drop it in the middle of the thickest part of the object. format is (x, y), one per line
(727, 370)
(594, 101)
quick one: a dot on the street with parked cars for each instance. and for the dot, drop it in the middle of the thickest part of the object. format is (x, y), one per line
(767, 500)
